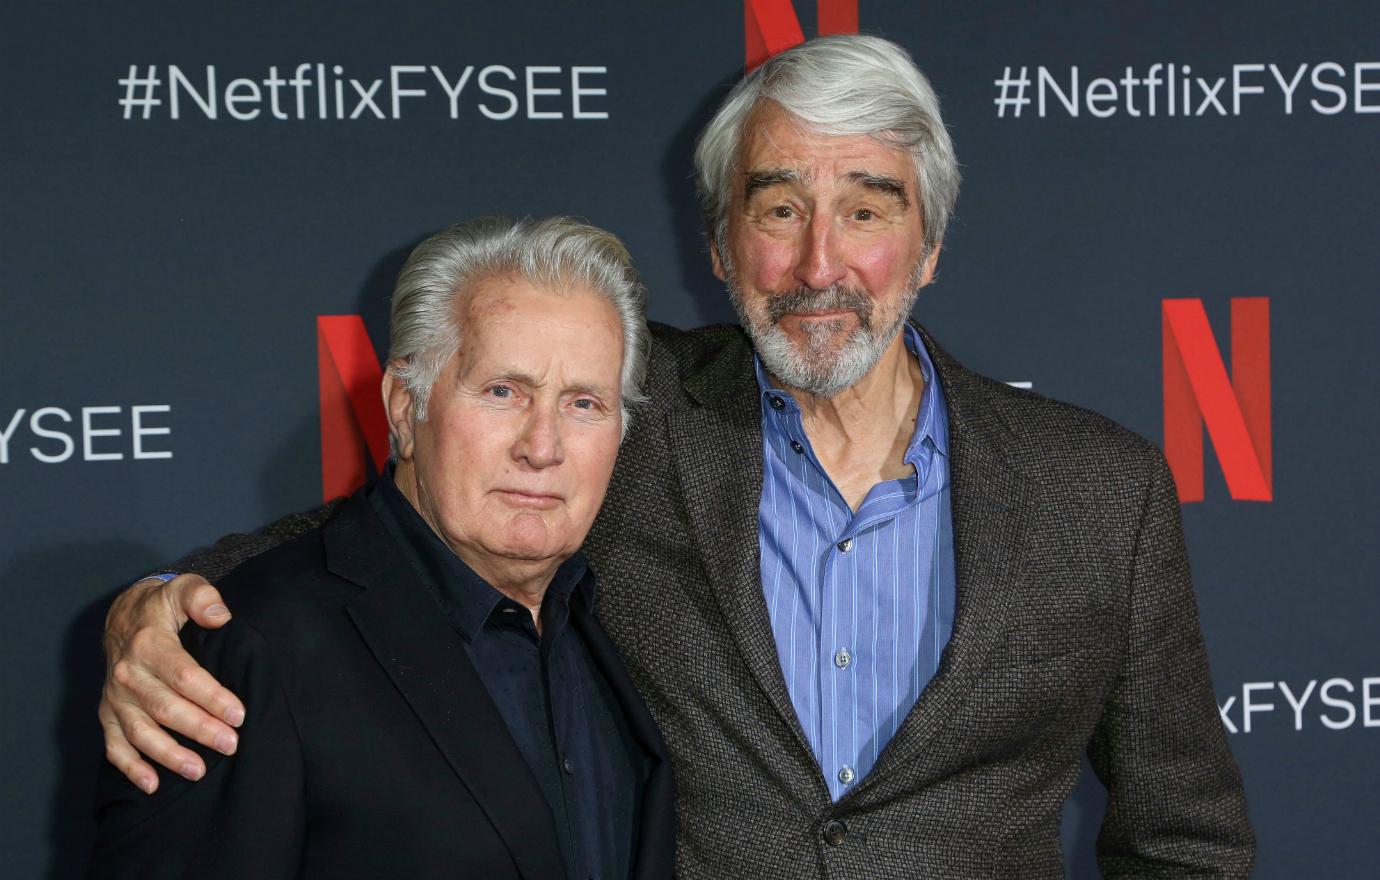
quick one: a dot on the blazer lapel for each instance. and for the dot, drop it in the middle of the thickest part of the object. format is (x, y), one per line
(990, 501)
(656, 832)
(427, 662)
(718, 453)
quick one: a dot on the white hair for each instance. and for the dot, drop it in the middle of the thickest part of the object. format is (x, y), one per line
(554, 254)
(837, 85)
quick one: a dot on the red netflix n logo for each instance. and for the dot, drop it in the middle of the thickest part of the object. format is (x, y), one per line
(771, 26)
(1197, 391)
(354, 429)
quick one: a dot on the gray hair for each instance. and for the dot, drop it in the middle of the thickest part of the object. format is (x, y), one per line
(554, 254)
(838, 85)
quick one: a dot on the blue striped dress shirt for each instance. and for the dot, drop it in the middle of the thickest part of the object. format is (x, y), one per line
(861, 604)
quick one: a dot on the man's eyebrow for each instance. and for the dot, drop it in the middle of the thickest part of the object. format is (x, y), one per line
(593, 389)
(767, 178)
(511, 375)
(882, 183)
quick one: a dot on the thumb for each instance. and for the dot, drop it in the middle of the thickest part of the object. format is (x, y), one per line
(194, 599)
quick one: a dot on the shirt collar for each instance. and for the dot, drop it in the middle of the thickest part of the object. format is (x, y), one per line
(469, 600)
(931, 422)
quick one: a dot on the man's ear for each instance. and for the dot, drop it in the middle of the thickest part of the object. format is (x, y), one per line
(927, 271)
(715, 261)
(397, 404)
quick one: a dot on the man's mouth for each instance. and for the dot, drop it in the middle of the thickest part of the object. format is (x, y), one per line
(832, 304)
(529, 499)
(821, 315)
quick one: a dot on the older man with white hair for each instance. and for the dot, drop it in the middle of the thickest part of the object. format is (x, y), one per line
(428, 692)
(878, 604)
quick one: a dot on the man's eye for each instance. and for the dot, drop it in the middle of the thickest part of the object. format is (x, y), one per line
(501, 391)
(584, 403)
(783, 212)
(863, 214)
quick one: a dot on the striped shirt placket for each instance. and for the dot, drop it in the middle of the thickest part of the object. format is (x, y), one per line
(826, 580)
(832, 584)
(852, 648)
(876, 642)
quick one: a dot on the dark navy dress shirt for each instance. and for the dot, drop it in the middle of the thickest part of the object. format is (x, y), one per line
(555, 703)
(861, 603)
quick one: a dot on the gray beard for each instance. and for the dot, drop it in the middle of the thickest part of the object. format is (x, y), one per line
(817, 369)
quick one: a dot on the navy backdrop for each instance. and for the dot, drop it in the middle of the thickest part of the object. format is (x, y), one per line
(161, 279)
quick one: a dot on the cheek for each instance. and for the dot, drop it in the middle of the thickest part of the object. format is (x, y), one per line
(884, 265)
(452, 462)
(764, 260)
(596, 458)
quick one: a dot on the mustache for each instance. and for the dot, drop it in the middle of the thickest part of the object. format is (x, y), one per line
(835, 298)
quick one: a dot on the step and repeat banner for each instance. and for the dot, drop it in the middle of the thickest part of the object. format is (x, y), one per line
(1170, 214)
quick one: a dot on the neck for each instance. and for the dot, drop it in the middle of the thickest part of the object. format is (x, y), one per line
(860, 436)
(522, 580)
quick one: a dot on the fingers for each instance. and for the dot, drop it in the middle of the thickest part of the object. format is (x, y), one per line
(195, 599)
(153, 682)
(147, 737)
(151, 706)
(168, 685)
(195, 698)
(120, 753)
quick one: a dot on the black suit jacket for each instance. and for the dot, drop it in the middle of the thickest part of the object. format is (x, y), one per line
(370, 746)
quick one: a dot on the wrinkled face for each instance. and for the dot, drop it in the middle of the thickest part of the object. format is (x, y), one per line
(523, 424)
(823, 251)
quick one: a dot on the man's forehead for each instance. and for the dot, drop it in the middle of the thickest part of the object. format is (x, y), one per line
(514, 321)
(511, 295)
(782, 145)
(499, 287)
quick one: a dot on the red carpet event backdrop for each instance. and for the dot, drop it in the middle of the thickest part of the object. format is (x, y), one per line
(1170, 214)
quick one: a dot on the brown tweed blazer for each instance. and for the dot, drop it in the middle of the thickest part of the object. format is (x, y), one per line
(1076, 630)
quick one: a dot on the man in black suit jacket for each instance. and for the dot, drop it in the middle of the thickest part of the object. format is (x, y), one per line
(428, 693)
(827, 178)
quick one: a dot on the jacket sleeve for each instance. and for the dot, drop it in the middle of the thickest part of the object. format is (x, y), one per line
(218, 560)
(1175, 806)
(246, 817)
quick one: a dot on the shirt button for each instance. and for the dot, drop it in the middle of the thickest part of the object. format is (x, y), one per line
(800, 450)
(568, 766)
(846, 775)
(835, 832)
(843, 658)
(846, 544)
(775, 402)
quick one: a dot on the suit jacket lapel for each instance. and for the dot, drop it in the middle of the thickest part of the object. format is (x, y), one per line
(990, 501)
(718, 453)
(427, 662)
(656, 830)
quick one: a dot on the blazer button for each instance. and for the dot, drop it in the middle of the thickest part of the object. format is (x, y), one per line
(835, 832)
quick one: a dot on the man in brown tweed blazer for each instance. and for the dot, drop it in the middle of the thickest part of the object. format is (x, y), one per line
(827, 179)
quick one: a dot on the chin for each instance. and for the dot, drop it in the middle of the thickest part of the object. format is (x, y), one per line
(530, 544)
(527, 554)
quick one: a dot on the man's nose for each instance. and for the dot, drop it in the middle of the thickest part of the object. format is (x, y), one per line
(820, 262)
(539, 444)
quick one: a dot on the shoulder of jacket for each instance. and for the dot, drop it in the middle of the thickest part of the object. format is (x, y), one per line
(285, 584)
